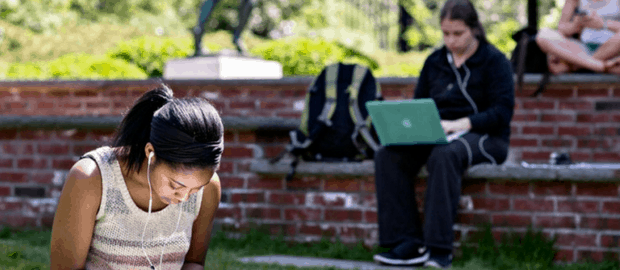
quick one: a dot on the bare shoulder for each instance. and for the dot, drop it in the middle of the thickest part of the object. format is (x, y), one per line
(75, 216)
(214, 187)
(85, 168)
(211, 193)
(215, 182)
(84, 181)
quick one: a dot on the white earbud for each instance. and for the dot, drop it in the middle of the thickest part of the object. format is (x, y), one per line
(151, 156)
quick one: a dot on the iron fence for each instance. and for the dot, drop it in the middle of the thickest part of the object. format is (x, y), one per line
(379, 15)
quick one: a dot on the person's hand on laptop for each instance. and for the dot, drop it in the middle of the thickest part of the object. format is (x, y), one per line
(451, 126)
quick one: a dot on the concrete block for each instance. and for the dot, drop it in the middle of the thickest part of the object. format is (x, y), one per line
(223, 67)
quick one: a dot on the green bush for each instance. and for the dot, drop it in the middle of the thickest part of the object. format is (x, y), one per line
(83, 66)
(28, 71)
(401, 70)
(72, 66)
(151, 53)
(305, 56)
(4, 68)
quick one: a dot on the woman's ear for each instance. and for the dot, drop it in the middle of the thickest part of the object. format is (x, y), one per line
(149, 151)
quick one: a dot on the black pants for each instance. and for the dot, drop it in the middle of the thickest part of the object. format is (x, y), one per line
(396, 170)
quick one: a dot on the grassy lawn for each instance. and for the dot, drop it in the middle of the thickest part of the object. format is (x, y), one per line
(30, 250)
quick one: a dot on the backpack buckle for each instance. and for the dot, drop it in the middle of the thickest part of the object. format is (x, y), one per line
(330, 103)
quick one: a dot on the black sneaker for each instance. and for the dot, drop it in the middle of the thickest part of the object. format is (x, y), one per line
(404, 254)
(443, 261)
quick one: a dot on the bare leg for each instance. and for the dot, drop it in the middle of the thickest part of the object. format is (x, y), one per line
(552, 42)
(609, 52)
(613, 65)
(609, 49)
(556, 65)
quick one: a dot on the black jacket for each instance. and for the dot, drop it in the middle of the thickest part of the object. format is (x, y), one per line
(487, 81)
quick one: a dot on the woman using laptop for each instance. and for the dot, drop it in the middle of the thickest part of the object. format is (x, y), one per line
(472, 85)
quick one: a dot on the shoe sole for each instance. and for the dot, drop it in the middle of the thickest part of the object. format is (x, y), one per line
(388, 261)
(434, 264)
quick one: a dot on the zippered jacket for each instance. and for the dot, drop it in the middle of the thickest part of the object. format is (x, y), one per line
(482, 88)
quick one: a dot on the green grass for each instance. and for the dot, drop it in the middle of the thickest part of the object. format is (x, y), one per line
(29, 250)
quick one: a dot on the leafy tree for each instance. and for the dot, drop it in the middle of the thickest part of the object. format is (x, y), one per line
(38, 16)
(425, 30)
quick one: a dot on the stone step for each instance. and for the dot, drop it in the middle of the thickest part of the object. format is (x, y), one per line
(319, 262)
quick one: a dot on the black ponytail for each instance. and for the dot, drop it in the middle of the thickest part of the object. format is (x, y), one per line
(184, 132)
(465, 11)
(134, 131)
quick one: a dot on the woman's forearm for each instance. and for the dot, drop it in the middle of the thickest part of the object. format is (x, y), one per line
(567, 29)
(613, 26)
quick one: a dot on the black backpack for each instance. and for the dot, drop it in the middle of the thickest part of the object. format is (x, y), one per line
(528, 58)
(335, 126)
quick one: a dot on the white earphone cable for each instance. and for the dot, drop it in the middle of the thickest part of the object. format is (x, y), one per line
(148, 177)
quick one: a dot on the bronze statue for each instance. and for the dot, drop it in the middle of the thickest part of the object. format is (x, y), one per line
(245, 9)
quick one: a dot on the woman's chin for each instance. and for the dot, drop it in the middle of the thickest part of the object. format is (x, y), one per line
(166, 200)
(170, 201)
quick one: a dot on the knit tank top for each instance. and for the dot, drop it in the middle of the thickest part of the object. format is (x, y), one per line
(116, 241)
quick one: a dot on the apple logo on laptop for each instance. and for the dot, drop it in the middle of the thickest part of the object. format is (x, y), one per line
(406, 123)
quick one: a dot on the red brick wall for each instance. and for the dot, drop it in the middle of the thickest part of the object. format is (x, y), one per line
(580, 118)
(583, 119)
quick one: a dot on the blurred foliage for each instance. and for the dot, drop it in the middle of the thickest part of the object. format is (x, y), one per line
(47, 15)
(425, 31)
(72, 66)
(151, 53)
(38, 16)
(269, 18)
(500, 19)
(348, 22)
(500, 35)
(24, 45)
(28, 71)
(309, 34)
(306, 56)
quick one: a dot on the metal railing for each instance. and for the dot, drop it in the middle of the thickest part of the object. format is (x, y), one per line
(379, 15)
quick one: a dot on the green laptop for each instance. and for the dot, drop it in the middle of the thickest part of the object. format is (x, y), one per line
(408, 122)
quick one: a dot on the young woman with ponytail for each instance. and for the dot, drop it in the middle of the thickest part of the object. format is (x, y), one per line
(472, 85)
(148, 201)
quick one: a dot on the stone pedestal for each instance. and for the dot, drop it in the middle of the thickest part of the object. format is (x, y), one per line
(224, 67)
